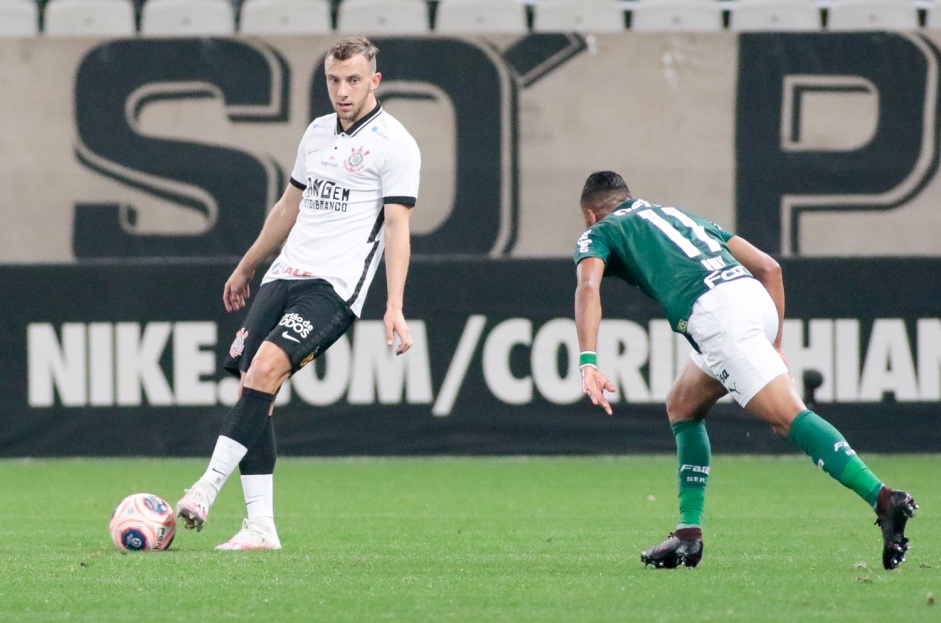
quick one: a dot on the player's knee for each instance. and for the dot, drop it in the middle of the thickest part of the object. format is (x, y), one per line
(678, 409)
(781, 425)
(267, 372)
(778, 417)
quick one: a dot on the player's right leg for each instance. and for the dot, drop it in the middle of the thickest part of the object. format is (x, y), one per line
(691, 397)
(313, 318)
(246, 419)
(241, 428)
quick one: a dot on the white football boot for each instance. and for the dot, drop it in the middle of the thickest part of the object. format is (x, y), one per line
(251, 536)
(193, 507)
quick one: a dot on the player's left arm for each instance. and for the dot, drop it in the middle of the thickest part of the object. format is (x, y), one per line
(397, 255)
(767, 271)
(590, 271)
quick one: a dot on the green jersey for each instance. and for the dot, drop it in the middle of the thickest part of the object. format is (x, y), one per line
(672, 255)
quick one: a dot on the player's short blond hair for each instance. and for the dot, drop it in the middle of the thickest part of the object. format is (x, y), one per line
(348, 47)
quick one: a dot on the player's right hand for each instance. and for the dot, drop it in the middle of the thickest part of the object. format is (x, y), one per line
(594, 385)
(237, 290)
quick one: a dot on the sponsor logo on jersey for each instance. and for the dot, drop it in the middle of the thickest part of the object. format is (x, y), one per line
(584, 242)
(326, 195)
(283, 269)
(356, 161)
(238, 344)
(736, 272)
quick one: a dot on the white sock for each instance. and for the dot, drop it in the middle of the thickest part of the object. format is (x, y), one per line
(259, 500)
(225, 459)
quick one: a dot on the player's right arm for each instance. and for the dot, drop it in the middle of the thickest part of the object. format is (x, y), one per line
(274, 232)
(590, 271)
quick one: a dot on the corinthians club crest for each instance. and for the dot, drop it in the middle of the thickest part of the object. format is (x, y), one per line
(238, 345)
(356, 161)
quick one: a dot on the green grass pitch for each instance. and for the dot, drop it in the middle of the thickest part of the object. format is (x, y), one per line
(470, 539)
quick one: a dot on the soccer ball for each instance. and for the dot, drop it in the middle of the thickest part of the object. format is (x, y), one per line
(143, 522)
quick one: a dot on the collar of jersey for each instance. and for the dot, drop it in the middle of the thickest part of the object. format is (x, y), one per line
(356, 127)
(627, 205)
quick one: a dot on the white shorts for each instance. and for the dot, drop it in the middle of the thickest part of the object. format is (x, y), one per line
(734, 325)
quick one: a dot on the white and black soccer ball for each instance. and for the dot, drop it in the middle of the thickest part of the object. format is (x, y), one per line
(143, 522)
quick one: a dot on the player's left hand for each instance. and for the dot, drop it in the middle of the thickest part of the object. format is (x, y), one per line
(394, 321)
(594, 385)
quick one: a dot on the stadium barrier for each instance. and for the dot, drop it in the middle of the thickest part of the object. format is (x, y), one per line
(126, 360)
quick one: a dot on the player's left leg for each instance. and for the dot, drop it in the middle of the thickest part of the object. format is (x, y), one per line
(257, 469)
(735, 325)
(689, 400)
(779, 404)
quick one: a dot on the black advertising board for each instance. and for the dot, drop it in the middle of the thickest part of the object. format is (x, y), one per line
(124, 360)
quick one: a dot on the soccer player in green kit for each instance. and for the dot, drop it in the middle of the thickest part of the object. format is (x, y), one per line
(727, 298)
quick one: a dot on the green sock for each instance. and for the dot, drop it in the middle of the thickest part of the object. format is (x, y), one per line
(829, 450)
(693, 453)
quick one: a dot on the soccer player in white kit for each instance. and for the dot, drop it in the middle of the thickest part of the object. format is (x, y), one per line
(350, 196)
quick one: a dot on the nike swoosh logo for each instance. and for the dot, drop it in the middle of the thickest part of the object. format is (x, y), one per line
(288, 337)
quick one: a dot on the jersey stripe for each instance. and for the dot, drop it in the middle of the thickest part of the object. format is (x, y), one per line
(374, 239)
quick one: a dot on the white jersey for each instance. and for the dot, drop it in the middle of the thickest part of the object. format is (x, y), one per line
(347, 177)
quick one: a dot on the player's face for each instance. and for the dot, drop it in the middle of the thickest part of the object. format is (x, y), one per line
(351, 84)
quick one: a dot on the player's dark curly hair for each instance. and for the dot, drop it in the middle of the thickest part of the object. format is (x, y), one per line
(604, 188)
(348, 47)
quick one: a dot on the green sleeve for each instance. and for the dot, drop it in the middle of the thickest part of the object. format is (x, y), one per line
(591, 244)
(720, 233)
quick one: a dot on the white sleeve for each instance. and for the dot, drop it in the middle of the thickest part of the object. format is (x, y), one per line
(299, 173)
(400, 175)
